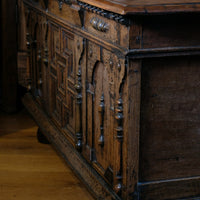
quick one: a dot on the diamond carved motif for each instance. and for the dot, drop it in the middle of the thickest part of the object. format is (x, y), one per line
(62, 48)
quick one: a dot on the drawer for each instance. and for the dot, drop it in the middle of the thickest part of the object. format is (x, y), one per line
(106, 29)
(64, 12)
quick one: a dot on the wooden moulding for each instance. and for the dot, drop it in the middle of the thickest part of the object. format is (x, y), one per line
(136, 7)
(171, 189)
(98, 187)
(163, 52)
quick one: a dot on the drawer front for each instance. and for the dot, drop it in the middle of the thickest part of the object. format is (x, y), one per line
(64, 12)
(106, 29)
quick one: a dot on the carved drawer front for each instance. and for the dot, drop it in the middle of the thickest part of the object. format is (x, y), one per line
(65, 11)
(106, 29)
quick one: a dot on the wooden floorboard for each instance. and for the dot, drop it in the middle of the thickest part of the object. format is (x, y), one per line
(30, 170)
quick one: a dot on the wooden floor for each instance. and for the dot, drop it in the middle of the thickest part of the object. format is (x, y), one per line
(30, 170)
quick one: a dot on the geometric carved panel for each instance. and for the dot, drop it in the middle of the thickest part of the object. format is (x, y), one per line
(62, 69)
(54, 41)
(67, 50)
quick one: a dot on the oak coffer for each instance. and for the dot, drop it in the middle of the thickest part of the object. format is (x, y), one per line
(115, 86)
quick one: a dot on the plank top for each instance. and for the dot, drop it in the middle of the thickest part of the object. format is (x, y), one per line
(125, 7)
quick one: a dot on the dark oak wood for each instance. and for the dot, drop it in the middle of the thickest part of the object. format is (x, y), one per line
(176, 189)
(164, 31)
(117, 93)
(170, 117)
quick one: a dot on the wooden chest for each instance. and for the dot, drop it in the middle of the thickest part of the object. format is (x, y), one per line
(115, 86)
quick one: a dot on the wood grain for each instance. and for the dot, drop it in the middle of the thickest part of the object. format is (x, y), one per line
(96, 93)
(170, 119)
(176, 189)
(167, 31)
(30, 170)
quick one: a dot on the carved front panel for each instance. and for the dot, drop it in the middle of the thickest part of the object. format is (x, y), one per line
(102, 128)
(63, 72)
(54, 42)
(37, 70)
(105, 77)
(54, 46)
